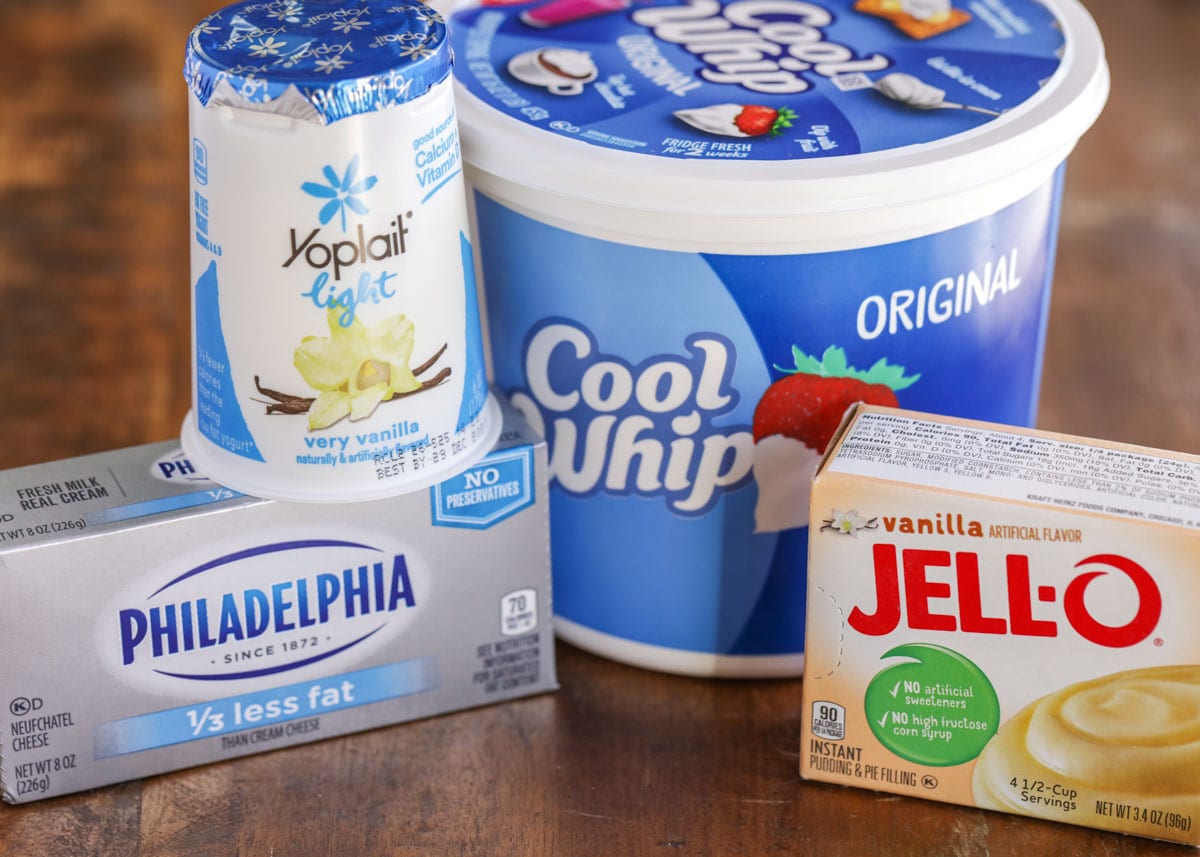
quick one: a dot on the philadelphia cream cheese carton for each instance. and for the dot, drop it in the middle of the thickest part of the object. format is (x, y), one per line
(155, 620)
(1005, 618)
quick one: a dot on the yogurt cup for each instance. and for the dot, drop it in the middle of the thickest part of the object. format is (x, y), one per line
(753, 214)
(337, 343)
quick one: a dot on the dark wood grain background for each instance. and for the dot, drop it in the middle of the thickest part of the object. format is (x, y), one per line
(94, 355)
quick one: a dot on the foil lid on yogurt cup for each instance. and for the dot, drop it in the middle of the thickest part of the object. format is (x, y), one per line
(320, 61)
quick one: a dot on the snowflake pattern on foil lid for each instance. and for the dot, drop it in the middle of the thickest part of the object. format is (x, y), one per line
(343, 59)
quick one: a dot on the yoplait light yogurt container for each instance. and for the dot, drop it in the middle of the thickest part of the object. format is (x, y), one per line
(337, 345)
(707, 227)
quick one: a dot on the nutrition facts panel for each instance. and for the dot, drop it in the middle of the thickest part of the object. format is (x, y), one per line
(1065, 472)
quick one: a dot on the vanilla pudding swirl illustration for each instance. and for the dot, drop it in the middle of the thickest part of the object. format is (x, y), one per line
(1130, 738)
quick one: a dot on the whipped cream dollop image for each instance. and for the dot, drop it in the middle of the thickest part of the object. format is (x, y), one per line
(738, 120)
(927, 10)
(568, 62)
(783, 469)
(917, 19)
(714, 119)
(911, 91)
(562, 71)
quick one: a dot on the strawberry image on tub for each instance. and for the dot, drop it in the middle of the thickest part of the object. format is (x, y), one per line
(798, 416)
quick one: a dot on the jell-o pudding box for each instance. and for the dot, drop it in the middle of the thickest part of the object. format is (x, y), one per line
(706, 227)
(1005, 618)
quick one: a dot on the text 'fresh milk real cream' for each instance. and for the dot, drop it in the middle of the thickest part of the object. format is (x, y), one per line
(337, 347)
(1005, 618)
(707, 226)
(155, 620)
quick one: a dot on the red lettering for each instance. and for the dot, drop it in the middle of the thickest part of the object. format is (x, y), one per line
(887, 597)
(1138, 628)
(918, 589)
(966, 594)
(1020, 602)
(970, 598)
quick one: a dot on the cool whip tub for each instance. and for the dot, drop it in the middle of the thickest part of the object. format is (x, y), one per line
(338, 353)
(1005, 618)
(707, 227)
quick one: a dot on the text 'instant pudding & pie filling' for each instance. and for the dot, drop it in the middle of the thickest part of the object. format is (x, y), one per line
(1004, 618)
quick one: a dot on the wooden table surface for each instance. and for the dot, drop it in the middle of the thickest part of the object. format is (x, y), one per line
(94, 355)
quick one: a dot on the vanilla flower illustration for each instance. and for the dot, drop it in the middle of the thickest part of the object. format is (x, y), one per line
(290, 12)
(430, 16)
(848, 523)
(418, 52)
(349, 25)
(329, 66)
(356, 367)
(268, 47)
(342, 192)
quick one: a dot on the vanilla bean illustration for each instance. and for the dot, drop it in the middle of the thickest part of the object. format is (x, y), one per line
(286, 403)
(434, 359)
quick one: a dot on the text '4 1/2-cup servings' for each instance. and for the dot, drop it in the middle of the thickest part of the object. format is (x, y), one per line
(708, 226)
(336, 332)
(1004, 618)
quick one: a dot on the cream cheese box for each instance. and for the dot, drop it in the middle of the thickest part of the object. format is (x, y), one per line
(1005, 618)
(154, 620)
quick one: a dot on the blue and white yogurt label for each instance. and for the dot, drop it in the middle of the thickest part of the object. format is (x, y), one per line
(757, 79)
(338, 352)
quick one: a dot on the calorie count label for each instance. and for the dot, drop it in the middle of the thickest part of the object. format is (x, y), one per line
(829, 720)
(1064, 473)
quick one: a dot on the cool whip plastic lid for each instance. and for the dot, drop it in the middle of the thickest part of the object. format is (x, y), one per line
(321, 61)
(775, 108)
